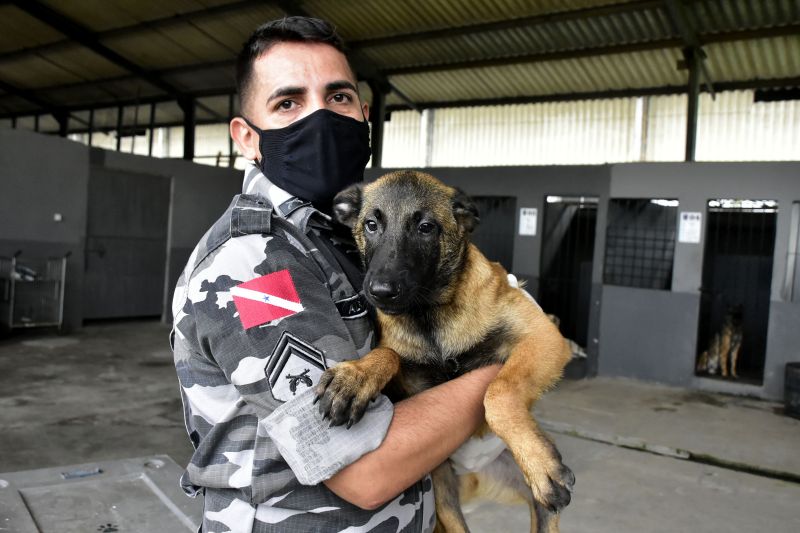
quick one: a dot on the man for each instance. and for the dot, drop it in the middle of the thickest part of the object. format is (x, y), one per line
(269, 298)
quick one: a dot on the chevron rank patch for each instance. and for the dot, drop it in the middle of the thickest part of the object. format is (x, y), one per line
(293, 367)
(266, 298)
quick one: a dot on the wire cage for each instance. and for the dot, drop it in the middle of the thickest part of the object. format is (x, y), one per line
(32, 291)
(640, 242)
(735, 295)
(565, 280)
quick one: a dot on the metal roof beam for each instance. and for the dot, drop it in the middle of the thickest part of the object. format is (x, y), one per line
(190, 16)
(597, 95)
(535, 20)
(711, 38)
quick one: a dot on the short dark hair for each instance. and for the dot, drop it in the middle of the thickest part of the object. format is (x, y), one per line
(287, 29)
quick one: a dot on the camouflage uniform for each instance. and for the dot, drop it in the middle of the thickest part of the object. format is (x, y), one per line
(261, 448)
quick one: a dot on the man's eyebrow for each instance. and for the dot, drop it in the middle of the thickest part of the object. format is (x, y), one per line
(341, 84)
(286, 91)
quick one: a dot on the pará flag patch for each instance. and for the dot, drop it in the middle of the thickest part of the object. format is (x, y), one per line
(265, 299)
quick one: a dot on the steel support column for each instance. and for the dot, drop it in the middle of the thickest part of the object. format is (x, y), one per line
(151, 129)
(188, 106)
(119, 128)
(690, 54)
(91, 126)
(62, 118)
(377, 115)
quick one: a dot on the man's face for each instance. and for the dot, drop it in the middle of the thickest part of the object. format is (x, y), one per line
(291, 81)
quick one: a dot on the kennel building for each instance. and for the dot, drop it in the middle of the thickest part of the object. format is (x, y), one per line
(600, 246)
(646, 263)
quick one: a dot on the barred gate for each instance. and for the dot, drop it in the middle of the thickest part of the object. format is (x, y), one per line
(735, 296)
(565, 280)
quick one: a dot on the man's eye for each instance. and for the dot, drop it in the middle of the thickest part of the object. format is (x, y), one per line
(371, 226)
(426, 227)
(286, 105)
(342, 98)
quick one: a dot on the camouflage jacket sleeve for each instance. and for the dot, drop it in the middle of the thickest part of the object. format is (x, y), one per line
(257, 327)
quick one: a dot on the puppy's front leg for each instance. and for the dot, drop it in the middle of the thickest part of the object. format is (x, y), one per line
(534, 365)
(345, 390)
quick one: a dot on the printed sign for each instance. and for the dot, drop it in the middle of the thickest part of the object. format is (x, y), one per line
(527, 220)
(691, 226)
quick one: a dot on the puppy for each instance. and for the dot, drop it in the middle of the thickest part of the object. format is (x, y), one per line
(443, 309)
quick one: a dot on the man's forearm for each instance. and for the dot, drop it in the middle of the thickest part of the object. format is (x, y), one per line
(425, 430)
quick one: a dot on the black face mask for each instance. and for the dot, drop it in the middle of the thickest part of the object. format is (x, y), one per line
(316, 157)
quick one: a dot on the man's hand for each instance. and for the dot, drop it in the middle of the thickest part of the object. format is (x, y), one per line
(425, 430)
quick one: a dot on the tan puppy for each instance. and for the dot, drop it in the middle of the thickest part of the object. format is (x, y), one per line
(444, 309)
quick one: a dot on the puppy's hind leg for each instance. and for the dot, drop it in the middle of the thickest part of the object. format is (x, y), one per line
(501, 481)
(449, 518)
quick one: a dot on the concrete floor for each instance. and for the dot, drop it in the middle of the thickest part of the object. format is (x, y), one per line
(646, 457)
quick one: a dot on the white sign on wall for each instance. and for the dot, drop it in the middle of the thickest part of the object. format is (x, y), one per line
(527, 220)
(691, 226)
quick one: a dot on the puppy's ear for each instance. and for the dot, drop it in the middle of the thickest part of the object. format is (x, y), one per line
(347, 204)
(465, 211)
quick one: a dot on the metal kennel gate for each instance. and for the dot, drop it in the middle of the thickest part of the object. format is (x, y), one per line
(565, 280)
(735, 295)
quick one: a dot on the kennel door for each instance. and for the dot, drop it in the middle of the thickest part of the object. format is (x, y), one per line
(126, 244)
(494, 236)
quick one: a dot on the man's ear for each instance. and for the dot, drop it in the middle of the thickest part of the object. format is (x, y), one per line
(245, 138)
(347, 204)
(465, 211)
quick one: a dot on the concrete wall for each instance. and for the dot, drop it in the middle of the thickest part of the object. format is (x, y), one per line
(40, 176)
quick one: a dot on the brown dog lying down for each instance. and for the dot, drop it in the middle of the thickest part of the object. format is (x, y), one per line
(444, 309)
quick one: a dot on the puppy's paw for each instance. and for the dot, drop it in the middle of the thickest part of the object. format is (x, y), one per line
(551, 484)
(343, 393)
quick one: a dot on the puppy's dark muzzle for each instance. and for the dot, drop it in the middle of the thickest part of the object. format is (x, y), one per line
(383, 291)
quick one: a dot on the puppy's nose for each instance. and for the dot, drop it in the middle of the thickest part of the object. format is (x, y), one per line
(384, 290)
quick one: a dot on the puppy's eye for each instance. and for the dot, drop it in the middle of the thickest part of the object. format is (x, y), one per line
(426, 227)
(371, 226)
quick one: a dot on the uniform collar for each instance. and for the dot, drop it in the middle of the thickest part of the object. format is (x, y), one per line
(286, 205)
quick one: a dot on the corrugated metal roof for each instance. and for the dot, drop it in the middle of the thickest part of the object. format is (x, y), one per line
(435, 51)
(376, 18)
(566, 35)
(103, 15)
(637, 70)
(19, 30)
(760, 59)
